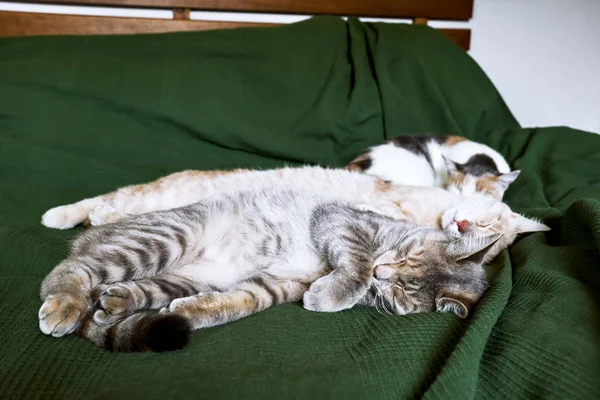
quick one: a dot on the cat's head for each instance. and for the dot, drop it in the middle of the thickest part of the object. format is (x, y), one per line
(473, 177)
(482, 215)
(435, 272)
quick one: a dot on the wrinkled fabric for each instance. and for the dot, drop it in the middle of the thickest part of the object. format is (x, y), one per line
(84, 115)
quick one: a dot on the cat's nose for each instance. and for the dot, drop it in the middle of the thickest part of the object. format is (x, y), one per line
(463, 226)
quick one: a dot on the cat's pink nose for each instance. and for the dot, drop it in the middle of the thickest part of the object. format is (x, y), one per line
(463, 226)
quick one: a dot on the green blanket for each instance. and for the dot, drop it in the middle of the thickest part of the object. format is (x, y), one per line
(83, 115)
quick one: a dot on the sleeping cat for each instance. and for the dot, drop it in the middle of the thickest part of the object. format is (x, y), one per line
(450, 162)
(477, 214)
(236, 254)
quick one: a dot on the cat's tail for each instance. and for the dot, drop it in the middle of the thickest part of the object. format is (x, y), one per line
(139, 332)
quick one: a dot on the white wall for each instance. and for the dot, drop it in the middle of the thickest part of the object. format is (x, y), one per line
(544, 58)
(543, 55)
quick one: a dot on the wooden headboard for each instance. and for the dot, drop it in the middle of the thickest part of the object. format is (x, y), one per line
(419, 11)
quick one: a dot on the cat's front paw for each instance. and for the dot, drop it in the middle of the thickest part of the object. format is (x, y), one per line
(202, 310)
(60, 314)
(61, 217)
(327, 295)
(115, 303)
(104, 214)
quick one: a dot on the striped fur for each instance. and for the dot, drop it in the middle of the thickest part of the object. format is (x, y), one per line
(430, 206)
(236, 254)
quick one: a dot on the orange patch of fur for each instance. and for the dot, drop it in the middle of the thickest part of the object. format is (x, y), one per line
(382, 186)
(452, 140)
(354, 165)
(486, 184)
(456, 179)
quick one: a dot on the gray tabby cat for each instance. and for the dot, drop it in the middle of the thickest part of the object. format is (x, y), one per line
(236, 254)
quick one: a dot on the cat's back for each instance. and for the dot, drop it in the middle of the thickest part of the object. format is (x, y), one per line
(409, 160)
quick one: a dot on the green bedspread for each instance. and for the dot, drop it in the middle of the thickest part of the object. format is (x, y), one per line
(83, 115)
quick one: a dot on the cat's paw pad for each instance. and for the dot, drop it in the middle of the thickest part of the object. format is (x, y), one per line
(60, 314)
(193, 305)
(61, 217)
(185, 306)
(115, 303)
(318, 296)
(330, 294)
(315, 302)
(117, 300)
(103, 318)
(104, 214)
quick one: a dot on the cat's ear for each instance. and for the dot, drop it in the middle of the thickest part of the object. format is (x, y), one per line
(472, 248)
(524, 225)
(452, 304)
(505, 180)
(451, 166)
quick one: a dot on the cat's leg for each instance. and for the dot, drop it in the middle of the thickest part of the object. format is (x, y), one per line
(251, 296)
(104, 256)
(168, 192)
(345, 240)
(122, 299)
(65, 294)
(66, 217)
(339, 290)
(105, 214)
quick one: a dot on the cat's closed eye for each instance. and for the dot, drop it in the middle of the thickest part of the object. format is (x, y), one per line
(487, 223)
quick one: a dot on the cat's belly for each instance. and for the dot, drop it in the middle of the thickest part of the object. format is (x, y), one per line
(224, 270)
(301, 265)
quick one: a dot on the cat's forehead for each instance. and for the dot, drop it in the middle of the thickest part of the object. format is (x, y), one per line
(481, 204)
(429, 237)
(468, 184)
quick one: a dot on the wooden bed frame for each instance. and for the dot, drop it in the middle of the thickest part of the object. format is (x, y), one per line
(419, 11)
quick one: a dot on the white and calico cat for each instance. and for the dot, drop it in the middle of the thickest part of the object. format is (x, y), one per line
(477, 214)
(450, 162)
(235, 254)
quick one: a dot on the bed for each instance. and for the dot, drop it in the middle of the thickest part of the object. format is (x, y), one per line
(88, 104)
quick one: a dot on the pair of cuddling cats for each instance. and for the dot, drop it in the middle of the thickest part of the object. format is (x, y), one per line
(210, 247)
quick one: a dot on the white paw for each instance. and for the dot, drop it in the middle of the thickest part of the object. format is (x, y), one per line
(104, 214)
(330, 294)
(60, 314)
(317, 302)
(318, 298)
(180, 304)
(62, 217)
(192, 305)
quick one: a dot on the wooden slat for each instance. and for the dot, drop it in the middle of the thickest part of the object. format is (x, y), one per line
(432, 9)
(35, 24)
(462, 37)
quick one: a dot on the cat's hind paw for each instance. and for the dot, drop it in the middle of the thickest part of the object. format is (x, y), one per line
(104, 214)
(115, 303)
(61, 217)
(60, 314)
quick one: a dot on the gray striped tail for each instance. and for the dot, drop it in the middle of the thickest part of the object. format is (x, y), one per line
(138, 332)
